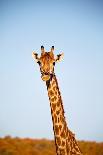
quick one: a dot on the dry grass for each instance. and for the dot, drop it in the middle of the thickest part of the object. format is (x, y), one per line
(27, 146)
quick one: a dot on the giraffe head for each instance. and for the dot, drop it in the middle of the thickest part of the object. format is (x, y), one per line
(46, 62)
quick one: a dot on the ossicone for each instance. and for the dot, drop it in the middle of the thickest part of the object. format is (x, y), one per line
(42, 49)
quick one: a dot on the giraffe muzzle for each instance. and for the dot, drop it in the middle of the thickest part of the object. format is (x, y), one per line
(45, 77)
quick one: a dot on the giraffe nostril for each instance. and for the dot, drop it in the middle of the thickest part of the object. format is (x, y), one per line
(47, 73)
(44, 73)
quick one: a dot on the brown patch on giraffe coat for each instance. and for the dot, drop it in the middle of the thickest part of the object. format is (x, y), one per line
(49, 87)
(53, 107)
(58, 104)
(54, 88)
(54, 99)
(60, 127)
(58, 112)
(57, 129)
(56, 93)
(63, 135)
(58, 141)
(63, 143)
(58, 119)
(55, 118)
(61, 118)
(62, 152)
(51, 93)
(65, 127)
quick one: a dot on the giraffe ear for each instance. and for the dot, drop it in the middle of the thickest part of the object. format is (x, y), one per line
(35, 56)
(59, 57)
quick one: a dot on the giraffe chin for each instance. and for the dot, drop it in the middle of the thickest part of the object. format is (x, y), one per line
(45, 77)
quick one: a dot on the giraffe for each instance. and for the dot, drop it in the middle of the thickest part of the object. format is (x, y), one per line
(65, 141)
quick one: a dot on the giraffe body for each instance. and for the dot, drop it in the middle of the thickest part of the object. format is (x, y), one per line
(65, 141)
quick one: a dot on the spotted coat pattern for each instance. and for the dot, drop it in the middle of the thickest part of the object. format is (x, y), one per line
(65, 141)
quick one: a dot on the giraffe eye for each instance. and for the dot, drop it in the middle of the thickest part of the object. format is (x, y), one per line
(54, 63)
(39, 63)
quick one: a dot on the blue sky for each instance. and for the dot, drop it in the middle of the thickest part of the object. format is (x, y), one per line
(73, 27)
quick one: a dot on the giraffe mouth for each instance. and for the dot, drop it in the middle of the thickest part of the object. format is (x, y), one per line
(45, 76)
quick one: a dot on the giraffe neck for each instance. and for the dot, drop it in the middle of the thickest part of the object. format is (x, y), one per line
(64, 139)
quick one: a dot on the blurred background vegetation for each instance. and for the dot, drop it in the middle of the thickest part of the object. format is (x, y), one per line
(27, 146)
